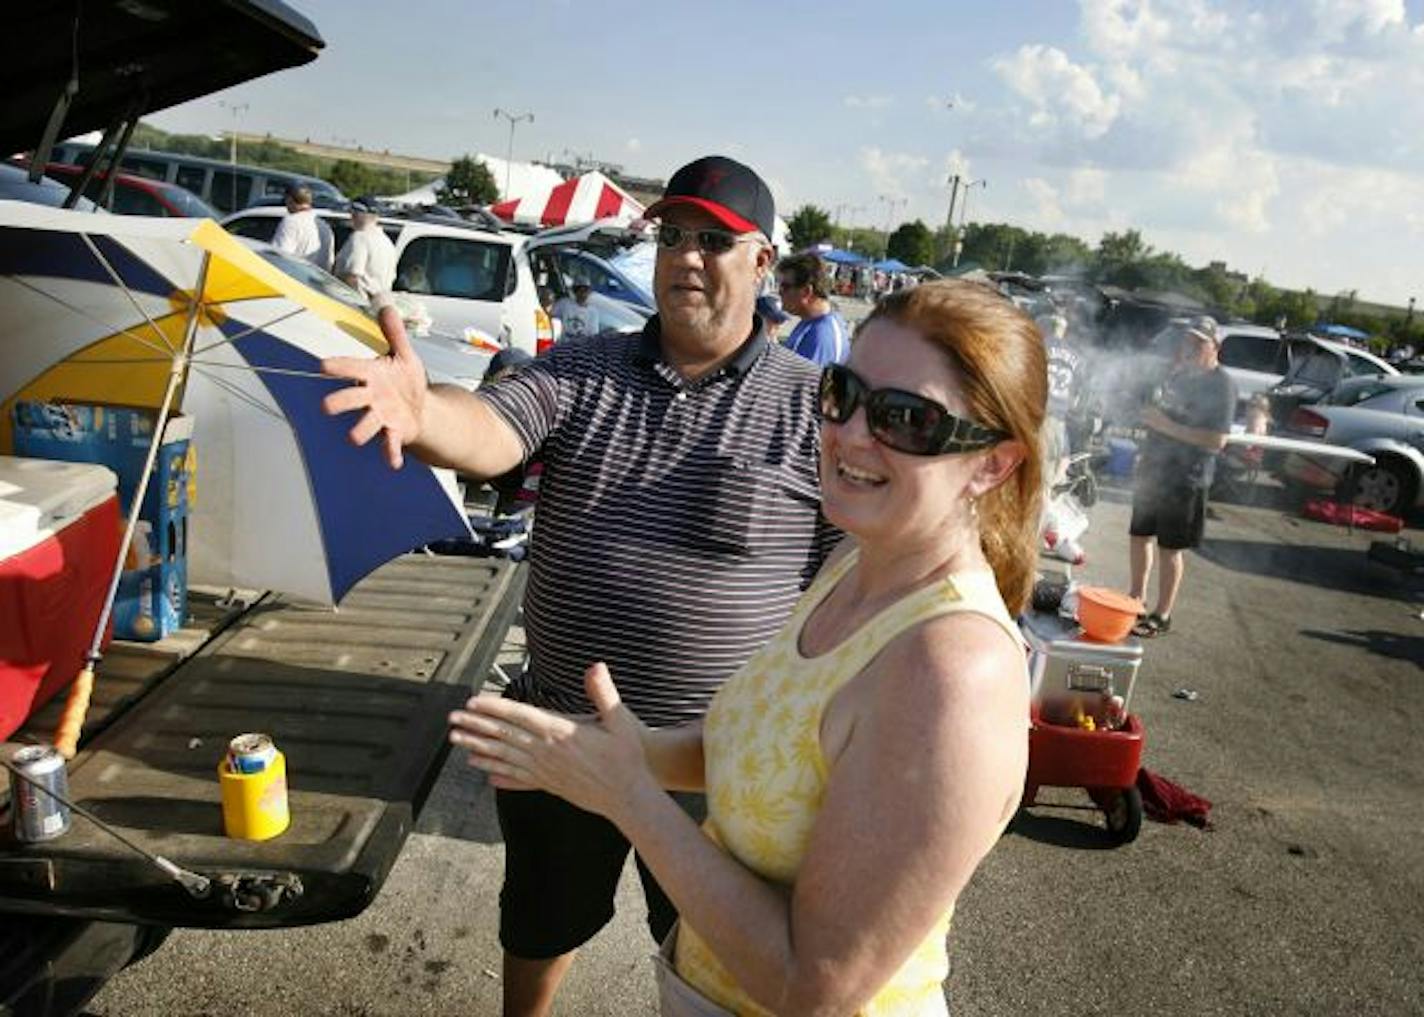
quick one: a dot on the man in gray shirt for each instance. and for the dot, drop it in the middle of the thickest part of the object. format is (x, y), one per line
(679, 520)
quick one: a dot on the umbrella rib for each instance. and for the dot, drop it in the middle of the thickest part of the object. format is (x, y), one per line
(261, 370)
(228, 340)
(93, 247)
(165, 350)
(245, 397)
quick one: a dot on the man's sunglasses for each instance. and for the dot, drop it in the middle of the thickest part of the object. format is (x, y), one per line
(902, 420)
(708, 240)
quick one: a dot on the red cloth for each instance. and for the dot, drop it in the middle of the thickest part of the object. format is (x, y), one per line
(1166, 802)
(1340, 514)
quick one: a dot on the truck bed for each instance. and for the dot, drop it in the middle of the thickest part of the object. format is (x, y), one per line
(356, 698)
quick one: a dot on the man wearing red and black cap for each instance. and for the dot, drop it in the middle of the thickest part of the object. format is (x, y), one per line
(678, 523)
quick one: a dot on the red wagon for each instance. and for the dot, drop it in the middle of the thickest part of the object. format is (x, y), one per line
(1104, 762)
(1074, 677)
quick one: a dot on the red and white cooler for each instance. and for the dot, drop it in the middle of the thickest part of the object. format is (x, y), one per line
(59, 534)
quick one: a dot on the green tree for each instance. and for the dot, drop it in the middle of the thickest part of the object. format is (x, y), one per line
(353, 178)
(912, 243)
(809, 225)
(1118, 258)
(468, 182)
(993, 246)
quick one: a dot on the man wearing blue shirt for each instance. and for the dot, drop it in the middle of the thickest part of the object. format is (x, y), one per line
(821, 336)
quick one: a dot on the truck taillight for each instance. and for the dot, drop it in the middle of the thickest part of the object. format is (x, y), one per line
(543, 331)
(1309, 422)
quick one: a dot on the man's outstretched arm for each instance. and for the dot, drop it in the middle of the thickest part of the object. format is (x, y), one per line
(443, 425)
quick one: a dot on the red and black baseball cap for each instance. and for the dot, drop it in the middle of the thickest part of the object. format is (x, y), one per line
(728, 191)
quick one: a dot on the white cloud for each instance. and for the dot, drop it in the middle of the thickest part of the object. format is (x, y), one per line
(1059, 90)
(867, 101)
(1334, 19)
(1047, 209)
(1121, 28)
(952, 102)
(891, 172)
(634, 145)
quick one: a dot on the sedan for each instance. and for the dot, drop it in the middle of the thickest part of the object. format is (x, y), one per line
(1382, 416)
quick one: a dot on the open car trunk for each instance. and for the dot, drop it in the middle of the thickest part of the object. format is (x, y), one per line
(1314, 373)
(129, 57)
(356, 698)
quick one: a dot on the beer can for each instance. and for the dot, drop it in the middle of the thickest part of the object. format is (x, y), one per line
(250, 753)
(252, 780)
(39, 816)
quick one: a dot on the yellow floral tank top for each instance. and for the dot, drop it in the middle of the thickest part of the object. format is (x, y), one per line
(766, 774)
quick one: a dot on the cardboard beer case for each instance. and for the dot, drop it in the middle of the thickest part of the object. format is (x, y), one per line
(152, 598)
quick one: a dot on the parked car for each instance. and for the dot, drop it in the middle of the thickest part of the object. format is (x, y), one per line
(460, 363)
(467, 276)
(591, 253)
(137, 195)
(1381, 415)
(1258, 358)
(215, 181)
(1319, 367)
(15, 185)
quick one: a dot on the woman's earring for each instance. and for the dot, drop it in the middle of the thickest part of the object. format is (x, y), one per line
(974, 509)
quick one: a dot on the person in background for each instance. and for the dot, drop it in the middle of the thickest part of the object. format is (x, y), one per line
(678, 522)
(302, 233)
(1187, 424)
(1064, 366)
(821, 335)
(862, 763)
(367, 261)
(579, 318)
(768, 308)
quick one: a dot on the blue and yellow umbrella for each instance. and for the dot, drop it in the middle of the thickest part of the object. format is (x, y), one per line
(173, 314)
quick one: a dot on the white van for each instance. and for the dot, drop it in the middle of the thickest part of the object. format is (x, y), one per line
(465, 276)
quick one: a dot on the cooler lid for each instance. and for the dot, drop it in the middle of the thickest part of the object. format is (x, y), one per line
(40, 497)
(1061, 637)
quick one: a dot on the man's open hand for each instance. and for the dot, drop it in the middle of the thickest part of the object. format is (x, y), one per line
(390, 390)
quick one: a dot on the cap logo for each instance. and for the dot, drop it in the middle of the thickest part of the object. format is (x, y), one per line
(715, 176)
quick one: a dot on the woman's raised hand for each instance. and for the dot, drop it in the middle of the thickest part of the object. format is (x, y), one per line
(593, 762)
(390, 390)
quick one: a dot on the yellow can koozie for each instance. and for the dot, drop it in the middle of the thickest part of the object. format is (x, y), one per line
(254, 805)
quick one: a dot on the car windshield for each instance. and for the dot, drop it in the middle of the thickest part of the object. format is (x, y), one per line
(323, 282)
(1352, 392)
(189, 204)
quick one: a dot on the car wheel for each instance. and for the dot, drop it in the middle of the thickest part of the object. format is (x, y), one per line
(1386, 487)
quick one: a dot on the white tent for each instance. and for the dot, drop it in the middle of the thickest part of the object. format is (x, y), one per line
(524, 179)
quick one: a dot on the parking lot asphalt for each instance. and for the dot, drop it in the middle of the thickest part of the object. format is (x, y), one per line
(1306, 896)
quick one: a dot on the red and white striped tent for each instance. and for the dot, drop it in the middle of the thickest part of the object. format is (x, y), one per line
(582, 199)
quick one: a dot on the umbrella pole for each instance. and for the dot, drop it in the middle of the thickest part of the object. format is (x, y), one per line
(76, 706)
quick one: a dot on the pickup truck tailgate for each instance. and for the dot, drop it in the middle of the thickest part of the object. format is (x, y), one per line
(356, 698)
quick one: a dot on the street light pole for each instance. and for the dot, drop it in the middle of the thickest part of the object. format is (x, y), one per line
(513, 119)
(964, 216)
(234, 109)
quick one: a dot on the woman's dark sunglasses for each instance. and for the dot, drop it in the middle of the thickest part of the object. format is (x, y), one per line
(903, 421)
(708, 240)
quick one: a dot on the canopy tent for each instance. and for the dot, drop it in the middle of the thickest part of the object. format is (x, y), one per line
(891, 265)
(582, 199)
(1339, 332)
(836, 257)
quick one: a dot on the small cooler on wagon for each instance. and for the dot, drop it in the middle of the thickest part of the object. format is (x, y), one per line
(59, 535)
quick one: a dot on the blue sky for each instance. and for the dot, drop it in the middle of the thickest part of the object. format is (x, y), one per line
(1284, 138)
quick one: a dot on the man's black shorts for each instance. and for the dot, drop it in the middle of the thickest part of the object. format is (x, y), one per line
(561, 870)
(1172, 511)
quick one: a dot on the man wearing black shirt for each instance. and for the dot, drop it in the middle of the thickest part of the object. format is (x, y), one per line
(1187, 425)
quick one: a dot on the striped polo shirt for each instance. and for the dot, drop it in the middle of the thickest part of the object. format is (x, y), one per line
(677, 522)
